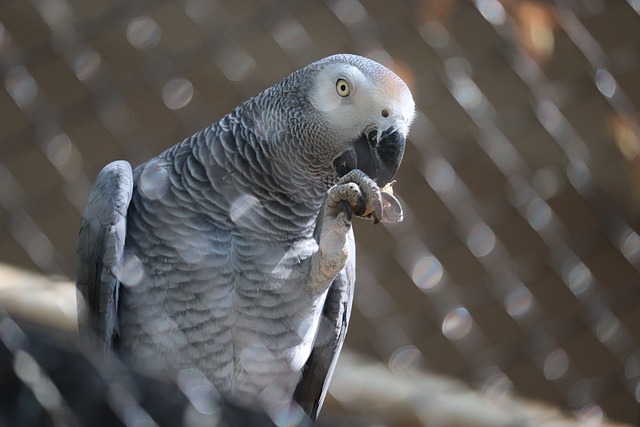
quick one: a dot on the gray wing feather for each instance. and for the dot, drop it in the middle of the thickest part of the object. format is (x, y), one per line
(99, 253)
(312, 388)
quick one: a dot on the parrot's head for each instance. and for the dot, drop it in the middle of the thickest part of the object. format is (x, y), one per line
(366, 112)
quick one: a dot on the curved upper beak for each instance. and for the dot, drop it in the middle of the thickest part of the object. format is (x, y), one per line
(376, 154)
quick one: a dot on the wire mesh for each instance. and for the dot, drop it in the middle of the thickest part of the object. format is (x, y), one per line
(516, 268)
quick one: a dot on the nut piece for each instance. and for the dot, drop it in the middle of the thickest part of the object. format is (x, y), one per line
(388, 188)
(391, 209)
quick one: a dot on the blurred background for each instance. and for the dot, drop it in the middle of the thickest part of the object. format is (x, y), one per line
(515, 270)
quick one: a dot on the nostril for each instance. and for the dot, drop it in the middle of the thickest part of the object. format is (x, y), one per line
(385, 113)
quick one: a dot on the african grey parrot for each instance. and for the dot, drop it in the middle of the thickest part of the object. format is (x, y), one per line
(232, 252)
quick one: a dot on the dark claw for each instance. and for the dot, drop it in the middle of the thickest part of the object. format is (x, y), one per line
(377, 211)
(362, 206)
(375, 218)
(346, 207)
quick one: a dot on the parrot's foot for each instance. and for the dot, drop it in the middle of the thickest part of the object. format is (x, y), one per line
(358, 194)
(354, 194)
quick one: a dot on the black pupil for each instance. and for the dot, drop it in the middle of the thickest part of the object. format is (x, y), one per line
(343, 87)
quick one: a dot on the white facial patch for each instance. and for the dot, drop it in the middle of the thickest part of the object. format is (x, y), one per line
(325, 96)
(378, 99)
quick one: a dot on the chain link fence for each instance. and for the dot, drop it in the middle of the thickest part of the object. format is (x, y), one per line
(516, 268)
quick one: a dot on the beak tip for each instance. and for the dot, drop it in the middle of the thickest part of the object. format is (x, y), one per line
(377, 154)
(389, 154)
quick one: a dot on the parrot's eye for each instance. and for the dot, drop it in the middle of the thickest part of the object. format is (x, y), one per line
(343, 88)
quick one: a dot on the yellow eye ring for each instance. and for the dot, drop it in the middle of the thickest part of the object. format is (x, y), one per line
(343, 88)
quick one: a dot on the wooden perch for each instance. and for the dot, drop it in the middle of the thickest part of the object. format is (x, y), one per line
(362, 387)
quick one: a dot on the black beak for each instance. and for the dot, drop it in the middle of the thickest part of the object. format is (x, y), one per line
(377, 155)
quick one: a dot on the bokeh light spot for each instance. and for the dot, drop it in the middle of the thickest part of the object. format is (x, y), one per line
(481, 240)
(132, 271)
(591, 415)
(632, 366)
(117, 117)
(578, 277)
(550, 116)
(440, 175)
(143, 32)
(290, 35)
(497, 389)
(605, 82)
(287, 414)
(466, 93)
(154, 180)
(56, 13)
(457, 324)
(556, 365)
(631, 246)
(538, 213)
(236, 64)
(406, 360)
(304, 328)
(11, 335)
(607, 328)
(59, 149)
(626, 136)
(177, 93)
(199, 390)
(518, 301)
(348, 387)
(492, 11)
(245, 210)
(199, 11)
(578, 173)
(256, 358)
(435, 34)
(26, 368)
(86, 64)
(40, 249)
(349, 11)
(21, 86)
(547, 183)
(427, 273)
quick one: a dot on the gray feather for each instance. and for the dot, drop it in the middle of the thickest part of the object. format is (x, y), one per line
(312, 388)
(216, 254)
(100, 247)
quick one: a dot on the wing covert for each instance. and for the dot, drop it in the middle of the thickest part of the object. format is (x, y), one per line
(99, 253)
(312, 388)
